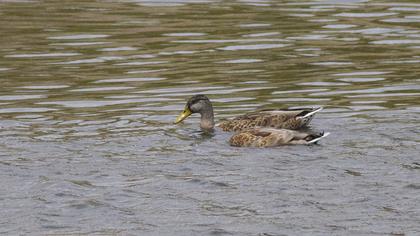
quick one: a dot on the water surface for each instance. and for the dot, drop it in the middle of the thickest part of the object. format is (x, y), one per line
(90, 90)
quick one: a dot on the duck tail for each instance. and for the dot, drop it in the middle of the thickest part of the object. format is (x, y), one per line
(312, 112)
(318, 137)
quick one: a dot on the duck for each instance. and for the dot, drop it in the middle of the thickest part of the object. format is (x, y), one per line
(269, 137)
(265, 128)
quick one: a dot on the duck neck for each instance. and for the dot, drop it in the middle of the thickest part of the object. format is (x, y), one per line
(207, 118)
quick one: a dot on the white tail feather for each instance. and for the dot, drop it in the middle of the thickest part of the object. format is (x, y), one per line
(319, 138)
(312, 113)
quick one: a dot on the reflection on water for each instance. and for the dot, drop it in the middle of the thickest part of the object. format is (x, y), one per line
(90, 90)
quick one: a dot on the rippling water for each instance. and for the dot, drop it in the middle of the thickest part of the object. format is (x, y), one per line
(90, 90)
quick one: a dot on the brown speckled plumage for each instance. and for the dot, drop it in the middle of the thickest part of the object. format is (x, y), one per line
(279, 119)
(266, 128)
(268, 137)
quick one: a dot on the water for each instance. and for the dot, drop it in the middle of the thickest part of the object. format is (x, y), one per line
(90, 90)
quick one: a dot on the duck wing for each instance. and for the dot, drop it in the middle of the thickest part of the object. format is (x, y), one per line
(280, 119)
(268, 137)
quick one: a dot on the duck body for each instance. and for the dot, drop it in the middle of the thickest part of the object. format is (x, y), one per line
(279, 119)
(269, 137)
(267, 128)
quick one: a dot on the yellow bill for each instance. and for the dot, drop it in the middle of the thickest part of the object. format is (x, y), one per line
(187, 112)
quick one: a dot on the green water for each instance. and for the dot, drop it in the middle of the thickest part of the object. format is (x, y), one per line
(90, 90)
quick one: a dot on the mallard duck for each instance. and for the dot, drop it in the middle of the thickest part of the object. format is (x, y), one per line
(258, 129)
(269, 137)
